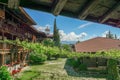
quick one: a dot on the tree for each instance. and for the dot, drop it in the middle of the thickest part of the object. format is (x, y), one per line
(109, 35)
(56, 36)
(48, 42)
(115, 36)
(37, 58)
(66, 47)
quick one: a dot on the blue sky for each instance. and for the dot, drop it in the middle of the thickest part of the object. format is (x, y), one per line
(71, 29)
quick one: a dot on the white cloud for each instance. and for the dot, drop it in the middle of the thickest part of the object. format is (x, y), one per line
(72, 36)
(47, 25)
(93, 36)
(41, 28)
(84, 25)
(104, 34)
(118, 37)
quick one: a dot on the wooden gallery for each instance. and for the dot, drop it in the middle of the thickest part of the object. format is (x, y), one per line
(16, 24)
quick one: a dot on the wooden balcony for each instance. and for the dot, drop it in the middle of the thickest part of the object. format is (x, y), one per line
(5, 48)
(6, 55)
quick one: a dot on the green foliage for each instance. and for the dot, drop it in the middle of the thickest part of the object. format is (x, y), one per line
(74, 63)
(48, 42)
(36, 58)
(14, 51)
(56, 36)
(66, 47)
(40, 53)
(82, 67)
(4, 74)
(64, 53)
(111, 54)
(52, 52)
(113, 71)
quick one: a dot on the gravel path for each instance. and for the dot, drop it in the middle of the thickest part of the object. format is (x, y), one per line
(57, 70)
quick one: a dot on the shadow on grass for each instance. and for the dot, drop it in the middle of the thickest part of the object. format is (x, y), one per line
(87, 73)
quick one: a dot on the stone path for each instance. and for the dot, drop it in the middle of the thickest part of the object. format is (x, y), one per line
(57, 70)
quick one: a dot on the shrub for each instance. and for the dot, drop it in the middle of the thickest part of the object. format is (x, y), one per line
(4, 74)
(52, 52)
(48, 42)
(37, 58)
(64, 54)
(113, 71)
(74, 63)
(82, 67)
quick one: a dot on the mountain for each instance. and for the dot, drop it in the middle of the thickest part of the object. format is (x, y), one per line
(68, 42)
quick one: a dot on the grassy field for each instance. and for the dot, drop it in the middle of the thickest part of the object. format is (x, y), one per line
(57, 70)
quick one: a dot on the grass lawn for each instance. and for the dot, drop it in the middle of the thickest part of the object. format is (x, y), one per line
(57, 70)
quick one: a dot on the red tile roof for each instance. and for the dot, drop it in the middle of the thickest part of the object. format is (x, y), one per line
(97, 44)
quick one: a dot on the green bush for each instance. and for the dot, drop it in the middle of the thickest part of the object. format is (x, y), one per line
(82, 67)
(64, 54)
(37, 58)
(74, 63)
(113, 71)
(52, 52)
(48, 42)
(4, 74)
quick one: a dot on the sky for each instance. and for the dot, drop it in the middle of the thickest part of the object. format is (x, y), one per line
(71, 29)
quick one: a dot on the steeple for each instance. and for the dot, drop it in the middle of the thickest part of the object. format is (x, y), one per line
(47, 30)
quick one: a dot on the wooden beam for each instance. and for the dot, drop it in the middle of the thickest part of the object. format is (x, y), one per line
(87, 8)
(2, 59)
(3, 35)
(58, 6)
(110, 12)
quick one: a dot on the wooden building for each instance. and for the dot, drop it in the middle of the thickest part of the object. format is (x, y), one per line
(95, 45)
(16, 24)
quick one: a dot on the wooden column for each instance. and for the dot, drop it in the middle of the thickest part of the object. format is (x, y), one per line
(18, 57)
(2, 35)
(2, 59)
(3, 39)
(24, 57)
(11, 58)
(12, 37)
(96, 62)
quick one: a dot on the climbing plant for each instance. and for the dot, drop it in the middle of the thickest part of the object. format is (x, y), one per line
(4, 74)
(112, 55)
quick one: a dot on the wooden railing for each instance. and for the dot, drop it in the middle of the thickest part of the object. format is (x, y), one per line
(6, 51)
(5, 48)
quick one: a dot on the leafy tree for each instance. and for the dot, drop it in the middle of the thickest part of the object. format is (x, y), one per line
(66, 47)
(48, 42)
(4, 74)
(36, 58)
(56, 36)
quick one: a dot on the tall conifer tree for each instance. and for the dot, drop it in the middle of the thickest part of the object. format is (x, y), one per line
(109, 35)
(56, 36)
